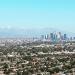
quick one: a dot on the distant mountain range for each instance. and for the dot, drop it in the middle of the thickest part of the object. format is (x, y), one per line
(16, 32)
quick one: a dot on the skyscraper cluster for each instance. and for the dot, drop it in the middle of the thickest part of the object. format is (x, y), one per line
(56, 36)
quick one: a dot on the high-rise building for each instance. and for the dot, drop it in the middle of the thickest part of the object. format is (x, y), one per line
(55, 36)
(48, 36)
(45, 37)
(51, 36)
(74, 38)
(59, 35)
(65, 37)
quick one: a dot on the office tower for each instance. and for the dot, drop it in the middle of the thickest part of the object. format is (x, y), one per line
(74, 38)
(65, 36)
(59, 35)
(51, 36)
(48, 36)
(45, 37)
(55, 36)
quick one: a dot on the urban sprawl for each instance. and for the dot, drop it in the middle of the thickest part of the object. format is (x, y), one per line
(52, 54)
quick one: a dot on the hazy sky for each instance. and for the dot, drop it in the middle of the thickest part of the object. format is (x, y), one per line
(59, 14)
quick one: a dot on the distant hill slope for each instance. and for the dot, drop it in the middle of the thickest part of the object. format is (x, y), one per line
(29, 32)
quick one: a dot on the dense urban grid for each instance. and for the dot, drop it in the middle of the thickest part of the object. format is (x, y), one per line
(53, 54)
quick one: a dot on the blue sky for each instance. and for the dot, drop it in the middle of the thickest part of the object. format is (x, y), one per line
(29, 14)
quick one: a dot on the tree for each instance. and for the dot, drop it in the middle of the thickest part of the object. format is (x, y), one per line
(5, 66)
(6, 69)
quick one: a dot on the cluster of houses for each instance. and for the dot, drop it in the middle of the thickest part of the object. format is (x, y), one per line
(37, 60)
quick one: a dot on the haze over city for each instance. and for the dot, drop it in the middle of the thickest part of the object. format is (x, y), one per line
(20, 17)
